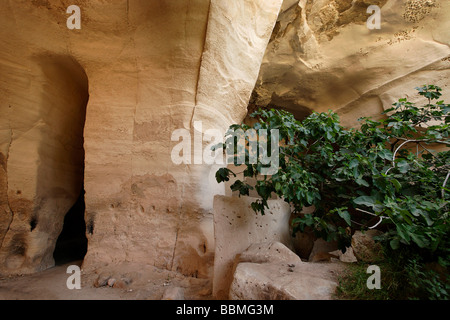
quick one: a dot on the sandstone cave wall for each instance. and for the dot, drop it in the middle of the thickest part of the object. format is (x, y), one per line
(323, 56)
(97, 106)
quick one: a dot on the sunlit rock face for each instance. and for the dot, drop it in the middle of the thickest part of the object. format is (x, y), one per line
(324, 55)
(95, 108)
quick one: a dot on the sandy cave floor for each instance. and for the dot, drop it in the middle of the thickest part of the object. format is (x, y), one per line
(146, 284)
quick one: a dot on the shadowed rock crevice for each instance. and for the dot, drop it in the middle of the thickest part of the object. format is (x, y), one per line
(72, 242)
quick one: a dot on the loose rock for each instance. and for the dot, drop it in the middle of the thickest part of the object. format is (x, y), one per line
(270, 271)
(364, 246)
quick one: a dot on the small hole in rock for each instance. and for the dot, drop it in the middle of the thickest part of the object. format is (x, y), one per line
(33, 224)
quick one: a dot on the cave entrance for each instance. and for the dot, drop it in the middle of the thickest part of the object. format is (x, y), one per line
(62, 155)
(72, 243)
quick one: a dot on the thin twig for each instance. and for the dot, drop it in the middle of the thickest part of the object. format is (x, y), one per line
(423, 140)
(376, 225)
(373, 214)
(443, 186)
(427, 150)
(395, 152)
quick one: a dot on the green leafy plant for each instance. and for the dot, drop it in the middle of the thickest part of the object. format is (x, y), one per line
(384, 174)
(426, 282)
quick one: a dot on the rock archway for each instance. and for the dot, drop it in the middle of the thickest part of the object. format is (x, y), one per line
(43, 164)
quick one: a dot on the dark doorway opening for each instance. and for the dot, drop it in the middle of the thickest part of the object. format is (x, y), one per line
(72, 242)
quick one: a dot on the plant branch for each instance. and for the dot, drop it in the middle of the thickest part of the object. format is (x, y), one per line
(373, 214)
(426, 149)
(424, 140)
(443, 186)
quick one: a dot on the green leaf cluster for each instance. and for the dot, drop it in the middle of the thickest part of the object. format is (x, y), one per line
(386, 169)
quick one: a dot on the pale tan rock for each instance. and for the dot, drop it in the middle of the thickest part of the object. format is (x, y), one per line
(273, 281)
(322, 246)
(348, 256)
(173, 293)
(111, 282)
(365, 248)
(237, 226)
(270, 271)
(267, 252)
(102, 280)
(327, 251)
(232, 57)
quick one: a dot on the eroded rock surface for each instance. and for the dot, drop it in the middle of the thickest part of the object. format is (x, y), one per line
(323, 56)
(281, 275)
(96, 107)
(365, 247)
(237, 227)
